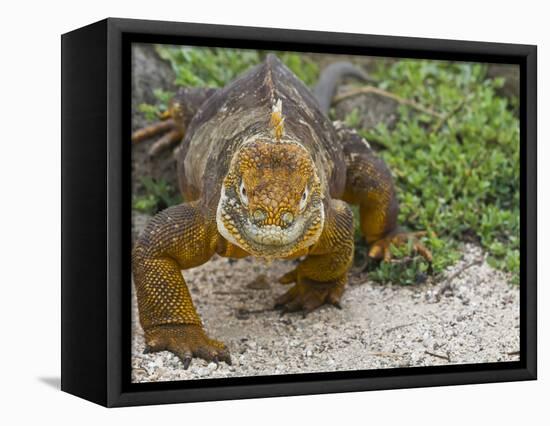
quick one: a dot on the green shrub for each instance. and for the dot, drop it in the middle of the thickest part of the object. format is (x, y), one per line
(158, 196)
(458, 180)
(215, 67)
(152, 112)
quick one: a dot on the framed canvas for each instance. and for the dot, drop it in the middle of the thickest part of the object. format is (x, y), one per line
(255, 212)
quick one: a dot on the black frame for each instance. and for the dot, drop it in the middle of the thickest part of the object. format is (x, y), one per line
(96, 237)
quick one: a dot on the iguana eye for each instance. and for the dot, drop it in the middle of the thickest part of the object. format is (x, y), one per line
(303, 200)
(242, 192)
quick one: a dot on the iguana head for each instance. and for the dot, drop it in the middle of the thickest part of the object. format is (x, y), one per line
(271, 202)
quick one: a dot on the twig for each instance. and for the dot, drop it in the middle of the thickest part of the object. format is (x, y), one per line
(389, 354)
(445, 357)
(227, 293)
(397, 327)
(243, 313)
(447, 284)
(446, 116)
(257, 311)
(513, 353)
(371, 89)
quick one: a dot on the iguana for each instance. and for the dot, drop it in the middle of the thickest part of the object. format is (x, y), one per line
(263, 173)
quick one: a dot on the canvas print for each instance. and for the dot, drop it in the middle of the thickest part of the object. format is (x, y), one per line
(298, 212)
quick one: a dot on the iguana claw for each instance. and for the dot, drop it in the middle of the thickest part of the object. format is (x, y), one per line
(186, 341)
(380, 250)
(307, 295)
(187, 362)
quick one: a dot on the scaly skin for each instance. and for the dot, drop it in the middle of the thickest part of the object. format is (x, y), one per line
(265, 174)
(369, 184)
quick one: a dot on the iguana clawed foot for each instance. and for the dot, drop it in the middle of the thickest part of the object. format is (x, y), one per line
(187, 342)
(307, 295)
(380, 250)
(170, 130)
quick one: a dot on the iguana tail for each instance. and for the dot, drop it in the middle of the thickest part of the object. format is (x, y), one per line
(330, 77)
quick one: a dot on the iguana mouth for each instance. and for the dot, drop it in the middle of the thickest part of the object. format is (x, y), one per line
(273, 235)
(273, 238)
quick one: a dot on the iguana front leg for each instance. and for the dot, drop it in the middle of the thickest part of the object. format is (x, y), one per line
(179, 237)
(322, 276)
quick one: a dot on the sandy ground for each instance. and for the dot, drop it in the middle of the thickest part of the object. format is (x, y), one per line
(467, 317)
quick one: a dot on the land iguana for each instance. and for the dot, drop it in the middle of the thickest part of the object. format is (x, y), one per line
(263, 173)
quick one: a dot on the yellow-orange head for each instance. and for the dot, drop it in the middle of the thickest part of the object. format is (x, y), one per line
(271, 203)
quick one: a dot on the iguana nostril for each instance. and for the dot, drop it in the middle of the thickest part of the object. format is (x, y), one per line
(259, 215)
(287, 218)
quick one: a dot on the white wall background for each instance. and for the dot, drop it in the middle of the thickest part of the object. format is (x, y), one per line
(30, 211)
